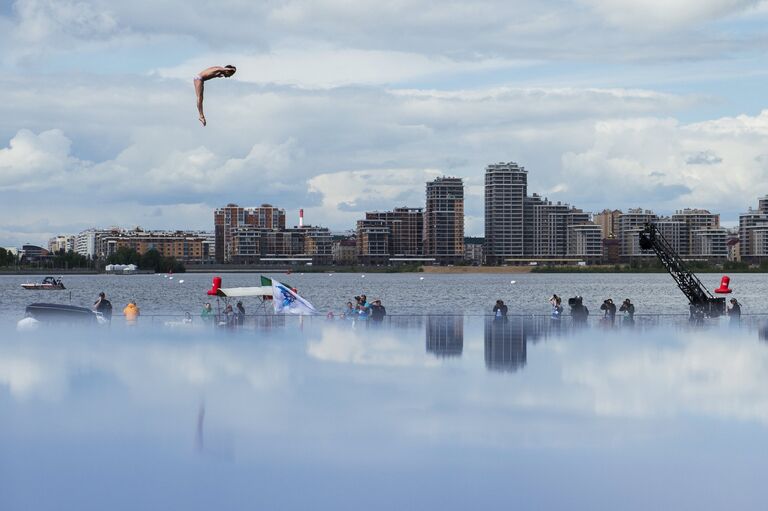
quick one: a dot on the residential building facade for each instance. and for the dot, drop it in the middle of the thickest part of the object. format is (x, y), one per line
(444, 220)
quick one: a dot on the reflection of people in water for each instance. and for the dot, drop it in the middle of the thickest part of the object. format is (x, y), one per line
(205, 75)
(199, 431)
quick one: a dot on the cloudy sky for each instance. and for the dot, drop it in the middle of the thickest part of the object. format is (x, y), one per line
(341, 107)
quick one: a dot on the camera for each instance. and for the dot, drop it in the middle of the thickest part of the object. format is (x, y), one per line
(576, 300)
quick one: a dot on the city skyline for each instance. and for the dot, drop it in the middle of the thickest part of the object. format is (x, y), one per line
(352, 228)
(99, 125)
(522, 229)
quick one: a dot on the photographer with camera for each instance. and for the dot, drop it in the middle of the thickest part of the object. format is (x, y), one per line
(557, 309)
(579, 311)
(629, 312)
(500, 310)
(610, 311)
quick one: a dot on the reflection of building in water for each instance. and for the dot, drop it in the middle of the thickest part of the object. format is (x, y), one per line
(445, 335)
(506, 339)
(406, 322)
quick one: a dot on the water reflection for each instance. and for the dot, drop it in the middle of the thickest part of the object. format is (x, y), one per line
(365, 412)
(445, 335)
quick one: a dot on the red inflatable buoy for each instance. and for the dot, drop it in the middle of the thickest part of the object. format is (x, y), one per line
(215, 287)
(724, 283)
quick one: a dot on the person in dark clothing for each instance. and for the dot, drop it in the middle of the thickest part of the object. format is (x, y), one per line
(500, 310)
(377, 311)
(103, 306)
(579, 311)
(610, 311)
(629, 312)
(734, 312)
(240, 314)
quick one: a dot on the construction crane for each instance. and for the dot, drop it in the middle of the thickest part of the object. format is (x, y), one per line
(703, 303)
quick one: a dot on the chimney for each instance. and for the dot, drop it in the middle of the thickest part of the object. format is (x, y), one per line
(301, 218)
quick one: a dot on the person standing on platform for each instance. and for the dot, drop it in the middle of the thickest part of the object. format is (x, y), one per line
(734, 312)
(629, 312)
(610, 311)
(500, 310)
(207, 314)
(378, 311)
(103, 306)
(131, 313)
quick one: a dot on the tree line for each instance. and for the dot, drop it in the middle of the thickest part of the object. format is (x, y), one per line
(150, 260)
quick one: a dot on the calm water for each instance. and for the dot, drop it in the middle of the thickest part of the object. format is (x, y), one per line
(410, 293)
(418, 413)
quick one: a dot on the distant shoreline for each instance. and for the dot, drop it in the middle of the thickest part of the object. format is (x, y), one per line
(446, 270)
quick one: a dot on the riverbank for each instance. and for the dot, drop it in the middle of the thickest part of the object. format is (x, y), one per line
(456, 270)
(49, 271)
(640, 269)
(476, 269)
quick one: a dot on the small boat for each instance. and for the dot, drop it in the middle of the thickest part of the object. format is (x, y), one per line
(60, 313)
(48, 283)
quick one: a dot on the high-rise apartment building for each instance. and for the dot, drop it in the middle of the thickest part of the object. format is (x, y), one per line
(608, 219)
(233, 216)
(187, 247)
(692, 233)
(753, 233)
(406, 230)
(522, 228)
(585, 241)
(344, 252)
(629, 226)
(444, 220)
(373, 242)
(506, 189)
(305, 244)
(694, 220)
(61, 243)
(551, 225)
(89, 242)
(674, 232)
(709, 244)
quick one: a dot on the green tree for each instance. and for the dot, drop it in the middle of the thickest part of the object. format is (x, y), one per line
(125, 255)
(151, 260)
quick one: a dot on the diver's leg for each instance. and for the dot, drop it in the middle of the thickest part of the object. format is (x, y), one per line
(199, 89)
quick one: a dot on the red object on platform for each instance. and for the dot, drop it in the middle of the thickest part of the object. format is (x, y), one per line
(724, 283)
(215, 287)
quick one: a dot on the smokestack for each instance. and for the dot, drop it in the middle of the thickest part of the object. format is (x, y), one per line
(301, 218)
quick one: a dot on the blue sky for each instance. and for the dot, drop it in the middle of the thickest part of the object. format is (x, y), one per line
(339, 108)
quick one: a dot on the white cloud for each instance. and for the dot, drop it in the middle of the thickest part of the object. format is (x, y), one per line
(370, 32)
(663, 14)
(648, 160)
(37, 161)
(384, 349)
(701, 376)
